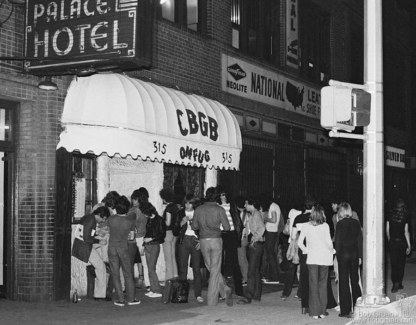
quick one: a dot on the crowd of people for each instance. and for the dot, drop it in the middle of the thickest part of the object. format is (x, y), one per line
(248, 240)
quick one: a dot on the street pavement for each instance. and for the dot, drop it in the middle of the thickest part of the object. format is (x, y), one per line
(271, 310)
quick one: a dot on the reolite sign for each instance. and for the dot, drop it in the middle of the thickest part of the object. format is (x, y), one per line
(65, 35)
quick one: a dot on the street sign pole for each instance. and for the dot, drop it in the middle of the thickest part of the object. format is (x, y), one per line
(373, 295)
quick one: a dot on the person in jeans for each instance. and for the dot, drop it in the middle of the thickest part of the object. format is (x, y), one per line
(189, 245)
(121, 230)
(169, 245)
(207, 220)
(155, 235)
(298, 223)
(271, 215)
(83, 249)
(397, 230)
(349, 248)
(138, 196)
(319, 250)
(231, 240)
(255, 252)
(240, 210)
(290, 273)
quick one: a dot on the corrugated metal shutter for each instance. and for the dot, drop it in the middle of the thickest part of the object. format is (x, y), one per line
(326, 174)
(290, 175)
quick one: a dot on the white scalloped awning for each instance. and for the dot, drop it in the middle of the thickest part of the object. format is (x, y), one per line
(115, 114)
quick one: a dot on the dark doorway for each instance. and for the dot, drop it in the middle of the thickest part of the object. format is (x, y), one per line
(4, 225)
(8, 113)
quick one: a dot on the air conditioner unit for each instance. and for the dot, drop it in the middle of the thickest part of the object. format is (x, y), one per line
(410, 162)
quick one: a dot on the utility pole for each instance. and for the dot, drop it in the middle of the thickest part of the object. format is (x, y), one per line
(373, 295)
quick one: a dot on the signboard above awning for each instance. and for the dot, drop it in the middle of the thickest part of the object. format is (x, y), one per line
(250, 81)
(73, 37)
(116, 114)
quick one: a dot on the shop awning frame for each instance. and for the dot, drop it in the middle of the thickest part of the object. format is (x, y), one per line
(119, 115)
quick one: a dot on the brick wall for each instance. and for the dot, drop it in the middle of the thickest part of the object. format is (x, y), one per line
(37, 134)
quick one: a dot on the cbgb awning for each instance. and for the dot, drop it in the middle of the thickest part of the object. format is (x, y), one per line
(116, 114)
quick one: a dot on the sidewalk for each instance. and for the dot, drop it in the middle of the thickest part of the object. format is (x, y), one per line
(271, 310)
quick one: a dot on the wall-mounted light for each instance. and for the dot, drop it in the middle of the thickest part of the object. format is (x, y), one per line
(162, 1)
(47, 84)
(86, 72)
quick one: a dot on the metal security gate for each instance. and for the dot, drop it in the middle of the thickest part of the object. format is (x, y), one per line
(288, 172)
(290, 176)
(257, 170)
(326, 174)
(256, 174)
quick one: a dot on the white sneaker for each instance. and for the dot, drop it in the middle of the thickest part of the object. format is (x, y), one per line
(270, 282)
(133, 302)
(200, 299)
(154, 295)
(148, 293)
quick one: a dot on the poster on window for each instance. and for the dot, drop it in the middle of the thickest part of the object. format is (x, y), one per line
(292, 41)
(79, 206)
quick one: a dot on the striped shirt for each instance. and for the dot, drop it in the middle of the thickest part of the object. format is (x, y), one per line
(226, 207)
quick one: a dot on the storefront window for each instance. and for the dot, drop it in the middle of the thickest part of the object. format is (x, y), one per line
(5, 125)
(283, 131)
(192, 11)
(187, 13)
(184, 180)
(314, 28)
(168, 9)
(84, 188)
(255, 28)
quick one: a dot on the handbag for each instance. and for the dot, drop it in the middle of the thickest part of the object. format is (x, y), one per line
(286, 229)
(180, 291)
(292, 251)
(79, 232)
(285, 264)
(91, 271)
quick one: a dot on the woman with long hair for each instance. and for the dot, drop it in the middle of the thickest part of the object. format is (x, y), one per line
(169, 245)
(397, 229)
(320, 251)
(349, 248)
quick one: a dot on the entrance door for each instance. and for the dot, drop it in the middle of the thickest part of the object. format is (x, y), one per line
(3, 234)
(5, 226)
(7, 111)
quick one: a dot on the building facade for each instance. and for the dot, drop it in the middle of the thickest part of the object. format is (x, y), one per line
(262, 61)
